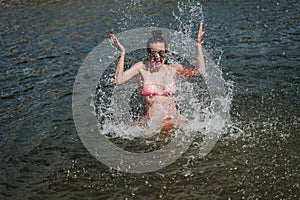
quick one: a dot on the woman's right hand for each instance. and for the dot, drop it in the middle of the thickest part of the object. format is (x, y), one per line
(115, 42)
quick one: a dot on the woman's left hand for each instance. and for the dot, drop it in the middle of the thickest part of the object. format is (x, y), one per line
(200, 34)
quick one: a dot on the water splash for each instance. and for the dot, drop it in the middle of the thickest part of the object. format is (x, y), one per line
(204, 101)
(210, 112)
(188, 16)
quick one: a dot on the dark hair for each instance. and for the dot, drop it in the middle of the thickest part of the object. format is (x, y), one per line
(156, 38)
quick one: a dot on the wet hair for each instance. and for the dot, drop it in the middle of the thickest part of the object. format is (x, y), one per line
(156, 38)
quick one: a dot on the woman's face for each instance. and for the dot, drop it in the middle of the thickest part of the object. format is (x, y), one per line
(156, 53)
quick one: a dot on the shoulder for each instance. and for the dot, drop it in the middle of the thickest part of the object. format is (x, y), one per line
(177, 67)
(138, 66)
(183, 70)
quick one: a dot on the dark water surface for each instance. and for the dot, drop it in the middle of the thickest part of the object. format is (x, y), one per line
(43, 44)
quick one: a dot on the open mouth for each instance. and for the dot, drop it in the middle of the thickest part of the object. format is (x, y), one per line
(158, 61)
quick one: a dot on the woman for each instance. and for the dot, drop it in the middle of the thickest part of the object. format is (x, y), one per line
(158, 80)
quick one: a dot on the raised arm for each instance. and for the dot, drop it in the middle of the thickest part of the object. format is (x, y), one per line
(200, 64)
(121, 76)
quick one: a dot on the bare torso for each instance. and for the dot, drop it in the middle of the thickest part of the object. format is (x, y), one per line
(158, 89)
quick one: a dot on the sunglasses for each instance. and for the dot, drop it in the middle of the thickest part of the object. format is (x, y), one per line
(161, 53)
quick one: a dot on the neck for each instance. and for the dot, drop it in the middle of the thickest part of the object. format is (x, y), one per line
(153, 67)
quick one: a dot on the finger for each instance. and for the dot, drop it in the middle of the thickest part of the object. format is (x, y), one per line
(200, 30)
(113, 37)
(201, 26)
(116, 41)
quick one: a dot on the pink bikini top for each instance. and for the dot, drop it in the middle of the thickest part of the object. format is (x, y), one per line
(152, 90)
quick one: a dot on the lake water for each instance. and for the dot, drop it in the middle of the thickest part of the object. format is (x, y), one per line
(43, 45)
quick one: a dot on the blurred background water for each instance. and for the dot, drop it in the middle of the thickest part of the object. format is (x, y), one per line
(43, 44)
